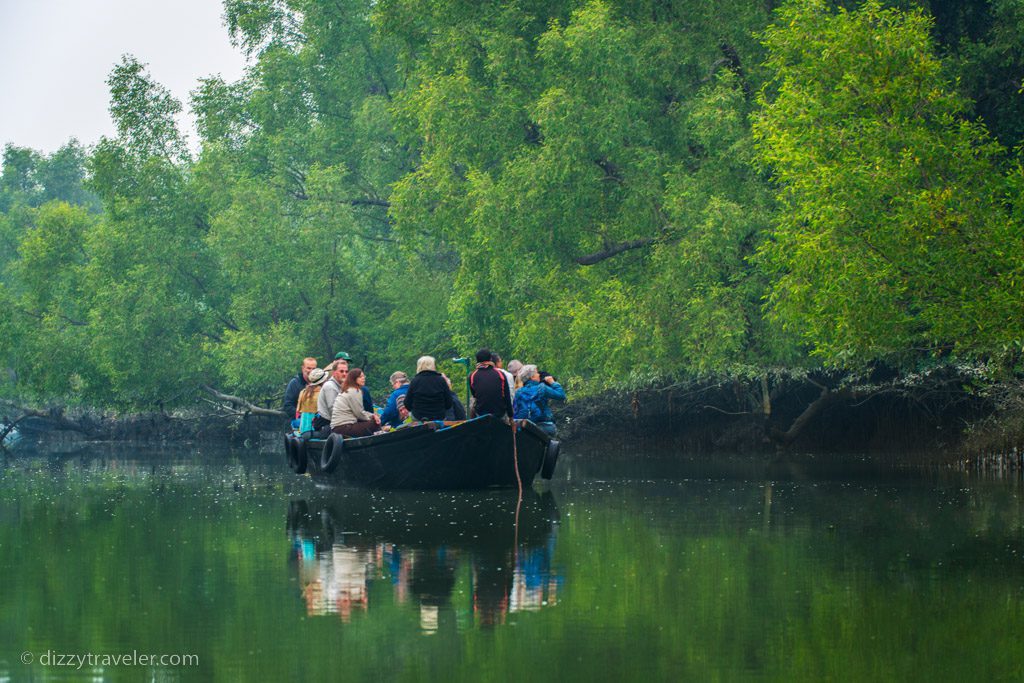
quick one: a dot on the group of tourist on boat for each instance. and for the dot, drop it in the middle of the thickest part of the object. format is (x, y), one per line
(335, 399)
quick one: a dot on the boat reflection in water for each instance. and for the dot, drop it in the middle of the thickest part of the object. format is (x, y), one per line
(468, 558)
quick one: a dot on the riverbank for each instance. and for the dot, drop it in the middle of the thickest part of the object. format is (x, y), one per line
(944, 417)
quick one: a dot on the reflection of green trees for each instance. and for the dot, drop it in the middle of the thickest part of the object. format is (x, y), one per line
(695, 580)
(835, 585)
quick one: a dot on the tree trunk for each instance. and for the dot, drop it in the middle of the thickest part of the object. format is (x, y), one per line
(826, 397)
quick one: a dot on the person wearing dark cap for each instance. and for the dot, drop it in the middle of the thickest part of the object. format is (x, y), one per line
(489, 388)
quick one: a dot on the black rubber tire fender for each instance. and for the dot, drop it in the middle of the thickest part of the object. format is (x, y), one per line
(547, 469)
(289, 450)
(331, 455)
(301, 457)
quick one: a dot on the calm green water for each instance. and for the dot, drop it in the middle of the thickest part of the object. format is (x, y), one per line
(665, 571)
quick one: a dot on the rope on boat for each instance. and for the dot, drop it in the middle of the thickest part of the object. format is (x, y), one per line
(515, 461)
(519, 503)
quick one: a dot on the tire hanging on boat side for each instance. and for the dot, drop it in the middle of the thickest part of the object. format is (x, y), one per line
(291, 448)
(547, 469)
(331, 455)
(301, 458)
(289, 451)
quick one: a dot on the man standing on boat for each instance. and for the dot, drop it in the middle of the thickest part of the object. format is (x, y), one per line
(295, 387)
(489, 388)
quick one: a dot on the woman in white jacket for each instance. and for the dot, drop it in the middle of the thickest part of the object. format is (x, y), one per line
(348, 417)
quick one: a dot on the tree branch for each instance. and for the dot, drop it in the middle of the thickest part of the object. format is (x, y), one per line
(40, 316)
(367, 201)
(614, 250)
(242, 403)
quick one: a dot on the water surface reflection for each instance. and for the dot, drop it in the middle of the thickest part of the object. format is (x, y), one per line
(459, 558)
(645, 569)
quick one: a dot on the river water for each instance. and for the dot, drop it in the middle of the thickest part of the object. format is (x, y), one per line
(646, 567)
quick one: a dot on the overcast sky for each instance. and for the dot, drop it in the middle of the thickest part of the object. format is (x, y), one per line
(55, 56)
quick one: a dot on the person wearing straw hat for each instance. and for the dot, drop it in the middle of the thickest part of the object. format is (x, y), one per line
(307, 403)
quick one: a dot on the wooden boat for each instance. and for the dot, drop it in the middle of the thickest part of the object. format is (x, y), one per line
(471, 454)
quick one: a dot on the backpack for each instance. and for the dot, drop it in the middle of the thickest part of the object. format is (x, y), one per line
(526, 407)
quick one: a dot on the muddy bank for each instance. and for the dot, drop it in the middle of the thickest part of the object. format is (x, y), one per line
(81, 427)
(942, 417)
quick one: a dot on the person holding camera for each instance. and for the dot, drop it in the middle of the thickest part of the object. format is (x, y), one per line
(531, 401)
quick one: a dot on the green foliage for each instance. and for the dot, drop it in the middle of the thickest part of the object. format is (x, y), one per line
(561, 132)
(988, 62)
(51, 305)
(895, 234)
(143, 112)
(43, 332)
(251, 361)
(592, 186)
(30, 179)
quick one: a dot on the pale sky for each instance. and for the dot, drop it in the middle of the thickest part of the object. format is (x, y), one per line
(55, 56)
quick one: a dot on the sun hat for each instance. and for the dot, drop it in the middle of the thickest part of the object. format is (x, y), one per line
(318, 376)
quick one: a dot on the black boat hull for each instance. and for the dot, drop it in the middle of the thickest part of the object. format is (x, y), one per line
(476, 454)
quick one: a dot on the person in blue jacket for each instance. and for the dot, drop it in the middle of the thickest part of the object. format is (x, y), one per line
(394, 411)
(531, 400)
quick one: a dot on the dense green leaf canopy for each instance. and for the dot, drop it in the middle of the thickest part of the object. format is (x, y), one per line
(622, 191)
